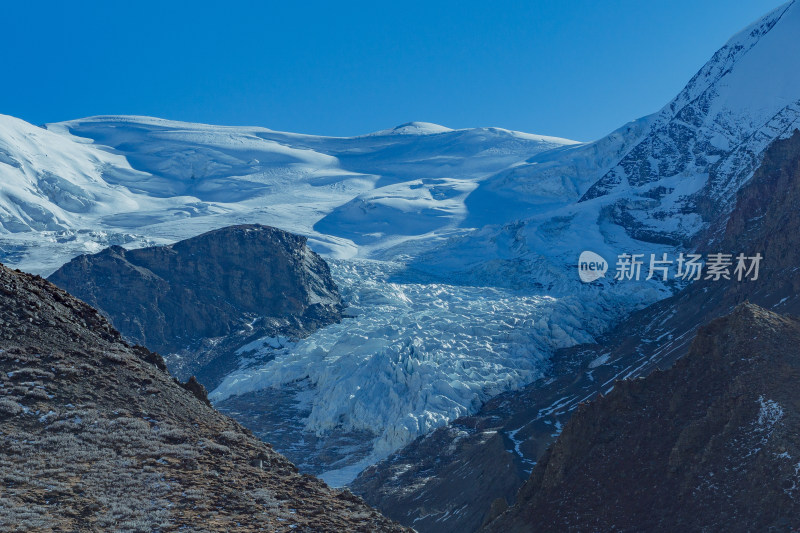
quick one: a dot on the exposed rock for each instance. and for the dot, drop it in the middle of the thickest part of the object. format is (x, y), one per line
(709, 445)
(499, 506)
(240, 282)
(96, 436)
(197, 388)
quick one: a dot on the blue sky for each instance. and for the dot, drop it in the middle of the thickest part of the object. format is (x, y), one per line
(574, 69)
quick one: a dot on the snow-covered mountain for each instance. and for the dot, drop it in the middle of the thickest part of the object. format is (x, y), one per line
(455, 249)
(167, 180)
(52, 190)
(705, 143)
(659, 180)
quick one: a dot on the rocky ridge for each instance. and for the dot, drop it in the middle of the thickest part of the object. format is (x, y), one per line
(199, 300)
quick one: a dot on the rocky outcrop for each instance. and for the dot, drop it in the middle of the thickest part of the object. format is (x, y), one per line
(412, 488)
(709, 445)
(240, 282)
(96, 436)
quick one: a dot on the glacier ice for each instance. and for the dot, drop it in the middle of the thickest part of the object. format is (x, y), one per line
(416, 354)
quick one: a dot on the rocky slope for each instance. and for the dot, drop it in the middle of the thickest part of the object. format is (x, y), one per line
(240, 283)
(96, 436)
(711, 444)
(412, 486)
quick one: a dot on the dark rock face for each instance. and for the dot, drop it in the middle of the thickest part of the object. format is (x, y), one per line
(246, 281)
(412, 488)
(96, 436)
(197, 388)
(710, 445)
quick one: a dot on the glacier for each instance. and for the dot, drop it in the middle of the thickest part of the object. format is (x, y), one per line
(414, 354)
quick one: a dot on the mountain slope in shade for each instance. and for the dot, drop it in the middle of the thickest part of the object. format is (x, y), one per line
(96, 435)
(711, 444)
(200, 300)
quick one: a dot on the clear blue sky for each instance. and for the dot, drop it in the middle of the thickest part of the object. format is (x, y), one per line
(575, 69)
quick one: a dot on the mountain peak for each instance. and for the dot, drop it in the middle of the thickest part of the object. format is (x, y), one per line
(415, 128)
(253, 279)
(707, 142)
